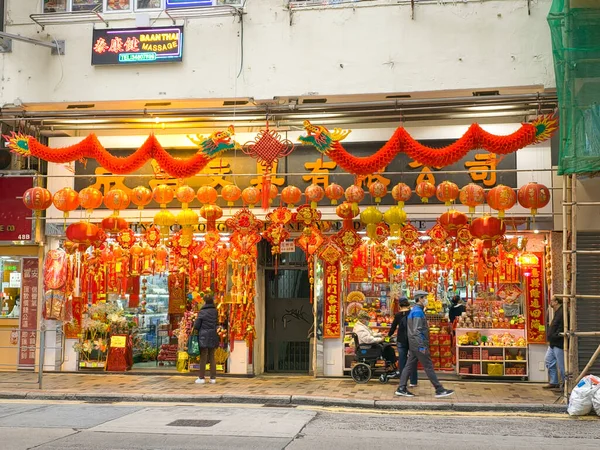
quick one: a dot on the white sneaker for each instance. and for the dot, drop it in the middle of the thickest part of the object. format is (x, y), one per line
(200, 381)
(213, 381)
(412, 385)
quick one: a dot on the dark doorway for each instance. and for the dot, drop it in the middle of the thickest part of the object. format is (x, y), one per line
(289, 318)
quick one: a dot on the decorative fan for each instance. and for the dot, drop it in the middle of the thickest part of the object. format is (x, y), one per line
(353, 309)
(355, 296)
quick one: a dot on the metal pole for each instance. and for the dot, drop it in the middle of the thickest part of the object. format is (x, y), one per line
(41, 356)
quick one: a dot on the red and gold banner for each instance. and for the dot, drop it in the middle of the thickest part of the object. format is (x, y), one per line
(331, 309)
(29, 313)
(534, 303)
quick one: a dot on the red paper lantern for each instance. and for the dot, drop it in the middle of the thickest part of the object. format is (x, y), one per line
(211, 213)
(472, 195)
(354, 194)
(141, 196)
(447, 192)
(66, 200)
(90, 198)
(251, 196)
(231, 193)
(114, 224)
(207, 195)
(291, 195)
(116, 199)
(185, 194)
(377, 190)
(314, 194)
(82, 233)
(489, 229)
(163, 194)
(334, 192)
(37, 199)
(401, 193)
(452, 220)
(501, 198)
(533, 196)
(425, 190)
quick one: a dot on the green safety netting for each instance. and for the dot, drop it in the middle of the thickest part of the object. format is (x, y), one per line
(575, 30)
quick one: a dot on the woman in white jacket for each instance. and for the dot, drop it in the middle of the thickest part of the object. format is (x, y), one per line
(364, 333)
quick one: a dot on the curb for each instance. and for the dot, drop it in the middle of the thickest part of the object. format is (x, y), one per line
(280, 400)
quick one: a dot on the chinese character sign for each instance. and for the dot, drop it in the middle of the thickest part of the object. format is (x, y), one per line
(29, 312)
(536, 317)
(332, 304)
(137, 45)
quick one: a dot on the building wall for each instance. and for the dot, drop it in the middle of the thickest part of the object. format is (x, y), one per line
(349, 49)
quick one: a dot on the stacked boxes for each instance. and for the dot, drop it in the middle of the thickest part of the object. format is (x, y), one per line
(440, 346)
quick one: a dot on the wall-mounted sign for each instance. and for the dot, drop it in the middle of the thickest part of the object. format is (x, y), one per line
(15, 280)
(15, 218)
(188, 3)
(137, 46)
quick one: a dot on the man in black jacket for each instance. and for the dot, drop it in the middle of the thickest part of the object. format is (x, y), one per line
(402, 339)
(555, 355)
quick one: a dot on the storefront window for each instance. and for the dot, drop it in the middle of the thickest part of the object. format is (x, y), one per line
(148, 4)
(87, 5)
(118, 5)
(53, 6)
(11, 287)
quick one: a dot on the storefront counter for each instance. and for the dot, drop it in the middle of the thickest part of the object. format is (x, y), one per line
(9, 348)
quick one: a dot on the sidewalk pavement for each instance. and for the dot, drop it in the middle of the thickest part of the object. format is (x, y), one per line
(281, 390)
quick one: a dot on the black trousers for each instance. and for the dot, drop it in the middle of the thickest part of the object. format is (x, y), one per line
(210, 354)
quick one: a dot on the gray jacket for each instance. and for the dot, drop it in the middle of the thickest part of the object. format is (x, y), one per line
(417, 329)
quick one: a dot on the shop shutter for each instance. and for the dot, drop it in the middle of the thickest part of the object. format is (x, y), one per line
(588, 310)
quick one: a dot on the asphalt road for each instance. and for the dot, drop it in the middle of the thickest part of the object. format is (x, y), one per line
(68, 426)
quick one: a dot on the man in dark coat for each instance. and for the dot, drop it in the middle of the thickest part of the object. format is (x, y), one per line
(555, 355)
(208, 340)
(402, 338)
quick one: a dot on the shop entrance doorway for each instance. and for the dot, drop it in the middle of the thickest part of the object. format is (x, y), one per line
(289, 319)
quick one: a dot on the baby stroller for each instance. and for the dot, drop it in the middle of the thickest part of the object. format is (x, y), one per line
(367, 356)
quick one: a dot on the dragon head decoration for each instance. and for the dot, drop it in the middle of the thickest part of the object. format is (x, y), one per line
(321, 138)
(217, 142)
(18, 143)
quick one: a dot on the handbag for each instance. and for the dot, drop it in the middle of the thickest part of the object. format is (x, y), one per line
(193, 347)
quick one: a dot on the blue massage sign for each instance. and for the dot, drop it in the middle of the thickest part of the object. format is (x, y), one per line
(137, 46)
(188, 3)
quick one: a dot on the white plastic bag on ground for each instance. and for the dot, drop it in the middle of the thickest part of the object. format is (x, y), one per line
(596, 401)
(580, 402)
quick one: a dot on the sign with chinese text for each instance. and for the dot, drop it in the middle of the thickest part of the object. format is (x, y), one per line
(118, 341)
(14, 222)
(137, 45)
(534, 296)
(172, 4)
(287, 247)
(331, 309)
(29, 313)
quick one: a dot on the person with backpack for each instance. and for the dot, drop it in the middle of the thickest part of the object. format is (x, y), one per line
(402, 339)
(208, 339)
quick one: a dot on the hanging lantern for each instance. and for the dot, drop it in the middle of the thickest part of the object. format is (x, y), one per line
(472, 195)
(346, 213)
(211, 213)
(207, 195)
(165, 220)
(401, 193)
(377, 190)
(114, 224)
(501, 198)
(136, 252)
(231, 193)
(533, 196)
(66, 200)
(90, 198)
(251, 196)
(273, 193)
(394, 217)
(314, 194)
(141, 196)
(291, 195)
(354, 194)
(185, 194)
(425, 190)
(82, 233)
(452, 220)
(187, 219)
(160, 263)
(371, 216)
(447, 192)
(37, 199)
(334, 192)
(116, 199)
(489, 229)
(163, 194)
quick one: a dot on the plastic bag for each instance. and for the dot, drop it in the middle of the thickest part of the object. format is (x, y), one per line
(580, 402)
(596, 401)
(193, 348)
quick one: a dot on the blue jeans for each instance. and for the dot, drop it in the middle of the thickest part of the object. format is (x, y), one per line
(402, 360)
(555, 357)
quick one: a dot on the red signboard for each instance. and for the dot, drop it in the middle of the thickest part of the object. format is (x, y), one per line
(534, 295)
(29, 312)
(331, 313)
(14, 222)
